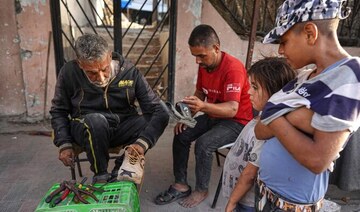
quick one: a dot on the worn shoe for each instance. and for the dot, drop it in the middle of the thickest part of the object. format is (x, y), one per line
(132, 169)
(180, 113)
(103, 178)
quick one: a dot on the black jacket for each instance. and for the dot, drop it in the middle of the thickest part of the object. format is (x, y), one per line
(76, 96)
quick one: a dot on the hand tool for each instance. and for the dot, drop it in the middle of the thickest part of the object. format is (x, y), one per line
(61, 188)
(62, 197)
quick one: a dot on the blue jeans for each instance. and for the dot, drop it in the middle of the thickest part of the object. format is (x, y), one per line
(210, 134)
(244, 208)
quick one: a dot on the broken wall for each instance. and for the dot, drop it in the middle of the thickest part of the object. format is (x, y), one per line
(26, 59)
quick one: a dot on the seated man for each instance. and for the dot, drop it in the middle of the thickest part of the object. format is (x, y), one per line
(94, 107)
(222, 96)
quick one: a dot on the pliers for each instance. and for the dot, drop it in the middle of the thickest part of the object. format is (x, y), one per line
(62, 197)
(73, 188)
(66, 187)
(57, 191)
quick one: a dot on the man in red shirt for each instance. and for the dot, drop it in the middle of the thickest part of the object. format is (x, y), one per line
(222, 97)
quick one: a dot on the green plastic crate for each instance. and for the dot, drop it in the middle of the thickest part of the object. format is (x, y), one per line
(118, 196)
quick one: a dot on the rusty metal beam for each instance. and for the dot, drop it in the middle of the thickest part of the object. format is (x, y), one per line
(252, 37)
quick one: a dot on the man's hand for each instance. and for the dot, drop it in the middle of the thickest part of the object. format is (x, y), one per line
(179, 128)
(195, 104)
(67, 157)
(137, 147)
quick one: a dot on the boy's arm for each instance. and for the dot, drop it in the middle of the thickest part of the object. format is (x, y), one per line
(315, 153)
(243, 185)
(299, 118)
(262, 132)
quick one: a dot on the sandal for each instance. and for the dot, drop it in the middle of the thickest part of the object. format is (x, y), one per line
(171, 195)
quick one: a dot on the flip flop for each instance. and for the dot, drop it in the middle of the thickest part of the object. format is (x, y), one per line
(171, 195)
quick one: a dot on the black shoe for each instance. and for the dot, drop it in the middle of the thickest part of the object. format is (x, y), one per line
(118, 162)
(102, 178)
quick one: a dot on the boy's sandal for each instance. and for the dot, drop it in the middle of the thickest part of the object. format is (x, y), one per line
(171, 195)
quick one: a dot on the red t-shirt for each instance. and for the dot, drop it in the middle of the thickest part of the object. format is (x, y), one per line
(228, 82)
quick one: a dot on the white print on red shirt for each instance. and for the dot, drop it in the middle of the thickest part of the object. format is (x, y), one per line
(233, 87)
(206, 91)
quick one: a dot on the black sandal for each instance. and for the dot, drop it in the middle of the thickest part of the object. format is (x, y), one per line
(171, 195)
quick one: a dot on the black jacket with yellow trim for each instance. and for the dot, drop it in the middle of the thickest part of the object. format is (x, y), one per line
(76, 96)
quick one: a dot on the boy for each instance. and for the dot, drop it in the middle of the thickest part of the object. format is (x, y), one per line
(295, 164)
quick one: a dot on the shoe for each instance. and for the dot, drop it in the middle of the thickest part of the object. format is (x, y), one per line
(181, 113)
(132, 169)
(103, 178)
(118, 161)
(171, 195)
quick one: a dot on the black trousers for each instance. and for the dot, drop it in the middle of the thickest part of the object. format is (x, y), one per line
(96, 133)
(209, 134)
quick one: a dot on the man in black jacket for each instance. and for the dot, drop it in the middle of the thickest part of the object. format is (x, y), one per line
(94, 107)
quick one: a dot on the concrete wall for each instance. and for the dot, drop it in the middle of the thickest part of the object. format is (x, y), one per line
(194, 12)
(28, 71)
(190, 14)
(12, 97)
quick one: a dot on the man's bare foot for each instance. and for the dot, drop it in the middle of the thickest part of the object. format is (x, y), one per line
(195, 198)
(181, 187)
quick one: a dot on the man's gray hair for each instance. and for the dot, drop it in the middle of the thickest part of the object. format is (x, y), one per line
(91, 47)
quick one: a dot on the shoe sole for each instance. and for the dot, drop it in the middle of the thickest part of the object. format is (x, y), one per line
(126, 178)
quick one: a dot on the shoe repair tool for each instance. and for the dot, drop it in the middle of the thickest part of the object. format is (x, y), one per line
(61, 188)
(62, 197)
(82, 182)
(91, 189)
(72, 168)
(99, 189)
(80, 186)
(73, 188)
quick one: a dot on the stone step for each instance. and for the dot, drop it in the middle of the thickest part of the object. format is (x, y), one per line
(153, 79)
(138, 49)
(155, 70)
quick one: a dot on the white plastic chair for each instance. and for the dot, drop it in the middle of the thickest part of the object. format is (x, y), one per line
(218, 154)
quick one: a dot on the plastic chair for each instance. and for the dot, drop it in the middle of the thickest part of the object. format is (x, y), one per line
(218, 154)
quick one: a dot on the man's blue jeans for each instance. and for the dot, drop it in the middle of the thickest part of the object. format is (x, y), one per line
(209, 134)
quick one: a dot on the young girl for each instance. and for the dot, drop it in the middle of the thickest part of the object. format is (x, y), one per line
(266, 77)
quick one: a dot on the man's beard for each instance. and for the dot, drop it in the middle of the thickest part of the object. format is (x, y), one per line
(103, 83)
(208, 68)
